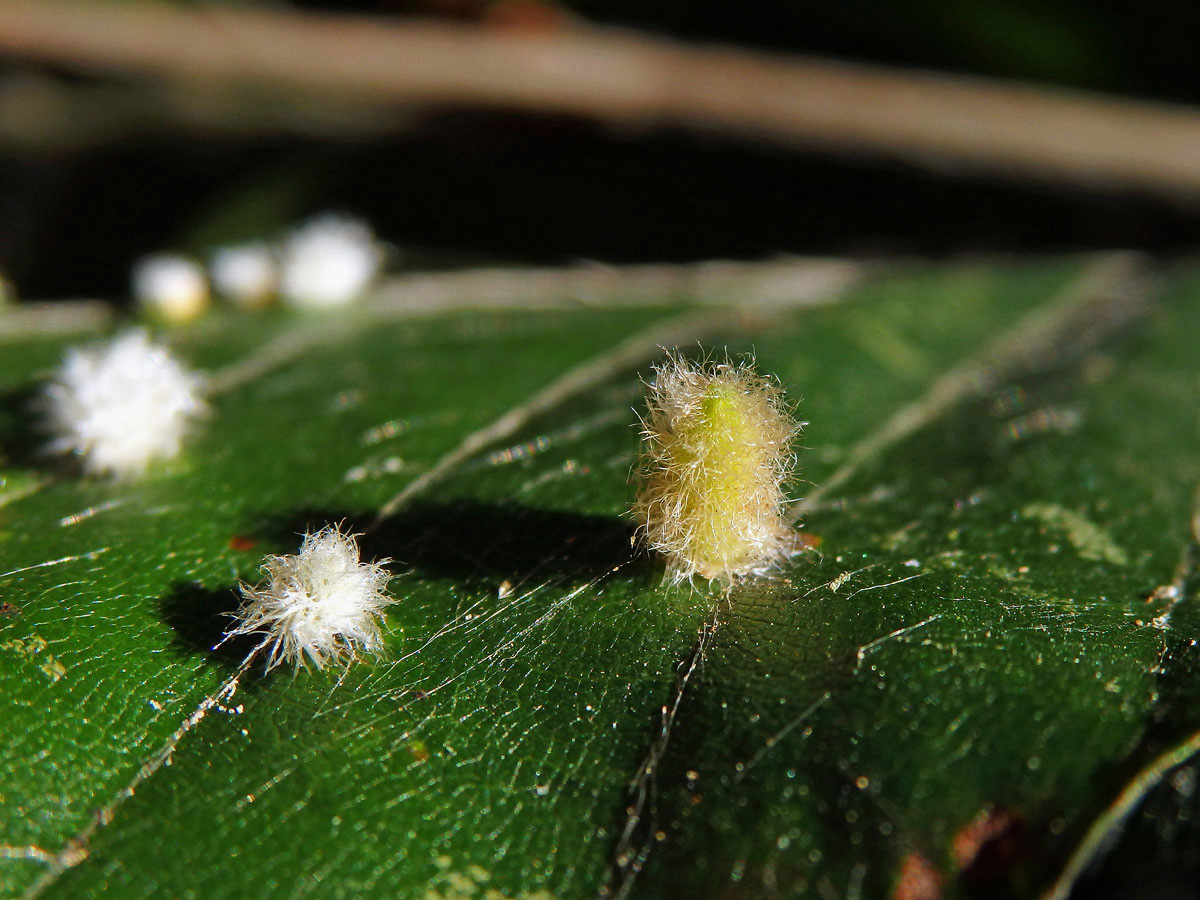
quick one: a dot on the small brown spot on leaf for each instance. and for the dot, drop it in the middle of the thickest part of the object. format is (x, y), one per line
(240, 543)
(919, 879)
(986, 848)
(8, 610)
(805, 540)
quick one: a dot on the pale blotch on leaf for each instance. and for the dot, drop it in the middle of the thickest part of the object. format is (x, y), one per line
(716, 454)
(322, 605)
(119, 406)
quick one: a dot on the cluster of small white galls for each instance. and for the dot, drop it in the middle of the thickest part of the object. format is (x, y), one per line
(122, 406)
(326, 262)
(119, 407)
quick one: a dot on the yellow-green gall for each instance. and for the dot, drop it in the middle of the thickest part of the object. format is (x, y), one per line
(716, 455)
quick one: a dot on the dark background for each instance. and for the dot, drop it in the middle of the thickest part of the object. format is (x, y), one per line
(461, 187)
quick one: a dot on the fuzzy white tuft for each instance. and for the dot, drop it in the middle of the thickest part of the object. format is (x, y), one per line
(121, 405)
(321, 605)
(170, 287)
(328, 262)
(247, 275)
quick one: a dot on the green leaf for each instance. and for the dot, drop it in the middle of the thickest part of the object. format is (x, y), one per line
(997, 481)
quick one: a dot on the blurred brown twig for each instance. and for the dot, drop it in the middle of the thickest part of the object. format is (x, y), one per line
(627, 78)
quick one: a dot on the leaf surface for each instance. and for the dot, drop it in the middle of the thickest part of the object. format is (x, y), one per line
(968, 653)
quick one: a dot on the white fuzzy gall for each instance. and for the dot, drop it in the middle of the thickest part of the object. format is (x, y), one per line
(119, 406)
(322, 605)
(329, 261)
(170, 287)
(246, 275)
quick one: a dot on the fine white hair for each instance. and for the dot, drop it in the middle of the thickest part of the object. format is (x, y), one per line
(121, 405)
(322, 605)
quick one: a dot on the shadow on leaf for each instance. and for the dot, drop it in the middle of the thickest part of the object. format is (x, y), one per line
(22, 434)
(475, 542)
(200, 617)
